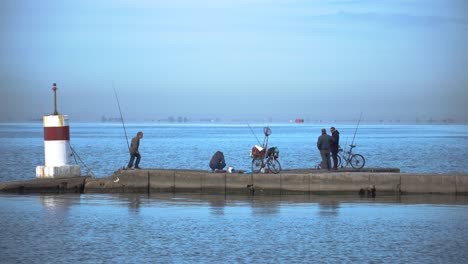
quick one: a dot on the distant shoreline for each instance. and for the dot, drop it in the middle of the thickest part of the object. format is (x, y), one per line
(253, 122)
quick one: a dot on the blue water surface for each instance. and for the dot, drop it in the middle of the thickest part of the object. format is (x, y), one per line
(103, 148)
(127, 228)
(177, 228)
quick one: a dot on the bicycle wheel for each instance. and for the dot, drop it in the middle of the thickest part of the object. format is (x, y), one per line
(257, 164)
(338, 159)
(357, 161)
(273, 165)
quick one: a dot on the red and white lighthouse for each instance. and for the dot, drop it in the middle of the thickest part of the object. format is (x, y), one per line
(57, 150)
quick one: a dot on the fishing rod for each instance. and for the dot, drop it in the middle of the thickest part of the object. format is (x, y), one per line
(355, 131)
(121, 117)
(251, 130)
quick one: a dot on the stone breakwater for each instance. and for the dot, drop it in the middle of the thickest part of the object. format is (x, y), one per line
(288, 182)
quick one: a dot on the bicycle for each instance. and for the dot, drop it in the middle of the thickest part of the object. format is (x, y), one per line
(356, 161)
(258, 155)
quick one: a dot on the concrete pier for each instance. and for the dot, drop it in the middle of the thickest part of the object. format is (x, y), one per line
(306, 181)
(290, 182)
(50, 185)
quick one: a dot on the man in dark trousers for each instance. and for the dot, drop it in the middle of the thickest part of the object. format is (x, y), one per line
(217, 161)
(134, 151)
(323, 144)
(335, 146)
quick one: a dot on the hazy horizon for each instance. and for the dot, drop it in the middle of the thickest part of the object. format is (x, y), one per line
(236, 120)
(235, 60)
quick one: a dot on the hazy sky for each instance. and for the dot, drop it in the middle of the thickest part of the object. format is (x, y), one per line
(235, 59)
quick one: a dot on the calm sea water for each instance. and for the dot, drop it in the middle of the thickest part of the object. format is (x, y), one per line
(103, 148)
(180, 228)
(218, 229)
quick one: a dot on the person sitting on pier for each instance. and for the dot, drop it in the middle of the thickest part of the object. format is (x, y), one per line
(217, 161)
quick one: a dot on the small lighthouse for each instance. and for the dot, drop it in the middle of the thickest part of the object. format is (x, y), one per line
(57, 150)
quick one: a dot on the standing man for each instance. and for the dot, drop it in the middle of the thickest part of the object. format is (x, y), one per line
(134, 151)
(323, 144)
(335, 146)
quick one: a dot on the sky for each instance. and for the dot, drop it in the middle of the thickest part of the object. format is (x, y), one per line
(235, 60)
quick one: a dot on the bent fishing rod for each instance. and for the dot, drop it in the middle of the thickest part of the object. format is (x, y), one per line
(121, 116)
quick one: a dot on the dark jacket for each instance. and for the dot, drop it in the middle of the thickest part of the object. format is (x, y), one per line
(336, 141)
(217, 161)
(324, 142)
(134, 145)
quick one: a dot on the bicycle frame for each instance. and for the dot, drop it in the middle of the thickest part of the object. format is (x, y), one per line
(265, 159)
(345, 156)
(356, 161)
(265, 147)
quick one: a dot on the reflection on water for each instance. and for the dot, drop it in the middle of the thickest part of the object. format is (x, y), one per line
(134, 204)
(264, 207)
(216, 228)
(217, 206)
(329, 208)
(56, 208)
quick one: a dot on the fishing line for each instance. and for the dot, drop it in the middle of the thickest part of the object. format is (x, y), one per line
(75, 155)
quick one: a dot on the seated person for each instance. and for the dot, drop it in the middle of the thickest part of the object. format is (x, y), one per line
(217, 161)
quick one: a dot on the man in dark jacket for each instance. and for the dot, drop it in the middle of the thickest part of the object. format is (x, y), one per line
(323, 144)
(335, 146)
(217, 161)
(134, 152)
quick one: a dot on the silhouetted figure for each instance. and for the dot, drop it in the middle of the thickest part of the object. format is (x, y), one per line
(217, 161)
(323, 144)
(134, 152)
(335, 146)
